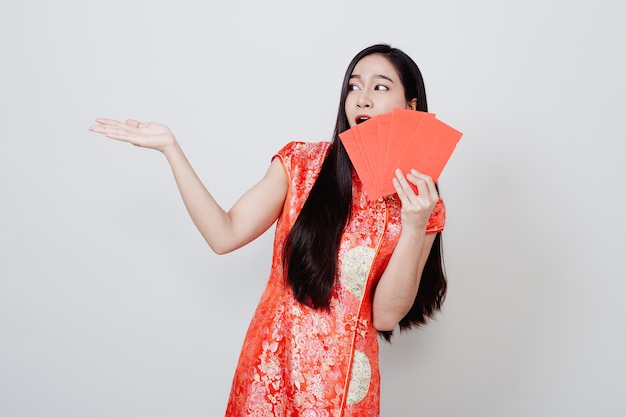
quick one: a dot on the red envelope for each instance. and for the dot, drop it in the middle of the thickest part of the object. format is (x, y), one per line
(403, 139)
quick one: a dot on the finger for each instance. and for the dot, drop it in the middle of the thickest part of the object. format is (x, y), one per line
(130, 123)
(108, 126)
(404, 199)
(411, 189)
(403, 188)
(118, 133)
(103, 125)
(108, 122)
(428, 183)
(99, 128)
(135, 123)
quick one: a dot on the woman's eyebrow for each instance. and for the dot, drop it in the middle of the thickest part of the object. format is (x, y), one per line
(384, 77)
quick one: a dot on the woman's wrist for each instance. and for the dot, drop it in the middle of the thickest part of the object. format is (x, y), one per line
(171, 150)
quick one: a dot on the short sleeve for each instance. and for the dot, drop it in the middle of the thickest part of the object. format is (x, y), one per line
(286, 155)
(437, 218)
(302, 161)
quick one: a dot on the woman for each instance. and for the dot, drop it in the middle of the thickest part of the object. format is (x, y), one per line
(344, 267)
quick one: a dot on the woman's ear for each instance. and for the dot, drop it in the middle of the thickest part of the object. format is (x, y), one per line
(411, 104)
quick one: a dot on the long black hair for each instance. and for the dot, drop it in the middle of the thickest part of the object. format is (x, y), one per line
(311, 247)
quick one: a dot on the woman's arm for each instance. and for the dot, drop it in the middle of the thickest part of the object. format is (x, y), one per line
(223, 230)
(397, 288)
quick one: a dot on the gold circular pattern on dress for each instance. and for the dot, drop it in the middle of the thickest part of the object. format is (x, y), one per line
(360, 378)
(355, 267)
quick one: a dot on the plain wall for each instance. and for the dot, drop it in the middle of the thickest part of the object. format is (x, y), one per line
(111, 304)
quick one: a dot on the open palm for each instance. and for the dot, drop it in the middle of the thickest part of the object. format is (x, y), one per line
(148, 135)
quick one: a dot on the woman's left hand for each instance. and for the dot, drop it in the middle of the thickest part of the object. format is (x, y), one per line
(416, 206)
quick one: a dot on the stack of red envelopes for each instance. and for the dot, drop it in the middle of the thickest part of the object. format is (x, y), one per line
(404, 139)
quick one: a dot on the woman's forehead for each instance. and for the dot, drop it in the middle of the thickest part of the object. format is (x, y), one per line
(375, 64)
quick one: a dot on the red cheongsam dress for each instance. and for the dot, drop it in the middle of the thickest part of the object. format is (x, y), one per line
(298, 361)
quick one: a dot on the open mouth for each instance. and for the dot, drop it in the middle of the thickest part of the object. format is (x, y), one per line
(361, 119)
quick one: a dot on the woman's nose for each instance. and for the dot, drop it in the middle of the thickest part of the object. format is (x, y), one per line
(364, 100)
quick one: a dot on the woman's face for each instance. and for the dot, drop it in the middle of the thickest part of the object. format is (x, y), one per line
(374, 89)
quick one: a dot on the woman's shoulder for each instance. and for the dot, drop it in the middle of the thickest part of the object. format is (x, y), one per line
(302, 152)
(301, 148)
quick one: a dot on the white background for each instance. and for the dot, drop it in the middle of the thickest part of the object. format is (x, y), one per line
(111, 304)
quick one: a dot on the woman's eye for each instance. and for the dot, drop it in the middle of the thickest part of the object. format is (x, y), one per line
(381, 87)
(353, 87)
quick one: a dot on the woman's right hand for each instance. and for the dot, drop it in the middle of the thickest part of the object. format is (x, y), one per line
(147, 135)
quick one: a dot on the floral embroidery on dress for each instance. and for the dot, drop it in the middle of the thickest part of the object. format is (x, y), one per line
(360, 378)
(355, 267)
